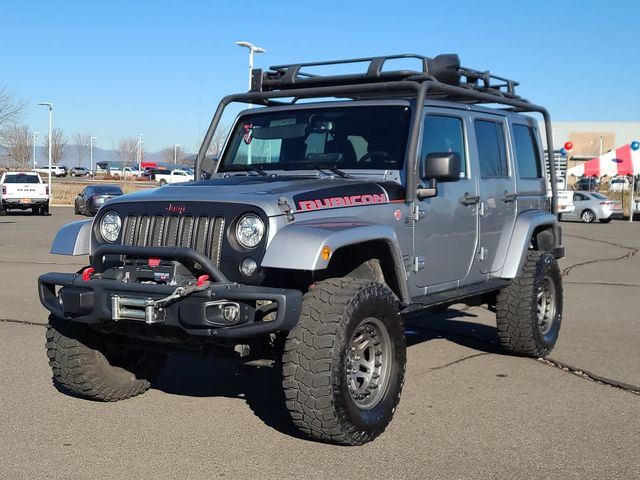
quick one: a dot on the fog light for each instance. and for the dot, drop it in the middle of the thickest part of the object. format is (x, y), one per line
(230, 313)
(248, 266)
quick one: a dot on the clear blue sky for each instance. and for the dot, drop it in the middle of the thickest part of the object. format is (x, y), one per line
(115, 69)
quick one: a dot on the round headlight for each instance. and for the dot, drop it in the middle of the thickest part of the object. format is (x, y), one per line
(110, 226)
(249, 231)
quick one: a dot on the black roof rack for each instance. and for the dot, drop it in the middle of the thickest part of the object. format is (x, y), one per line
(443, 69)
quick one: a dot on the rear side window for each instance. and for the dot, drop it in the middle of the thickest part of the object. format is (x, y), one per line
(526, 152)
(492, 152)
(444, 134)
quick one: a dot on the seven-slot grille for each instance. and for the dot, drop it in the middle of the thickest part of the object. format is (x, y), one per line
(203, 234)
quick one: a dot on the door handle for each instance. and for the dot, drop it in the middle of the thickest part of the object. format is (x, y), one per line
(470, 200)
(509, 197)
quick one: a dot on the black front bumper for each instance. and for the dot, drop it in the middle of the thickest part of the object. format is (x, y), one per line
(91, 301)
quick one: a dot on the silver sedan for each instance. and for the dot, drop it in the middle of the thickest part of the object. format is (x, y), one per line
(593, 206)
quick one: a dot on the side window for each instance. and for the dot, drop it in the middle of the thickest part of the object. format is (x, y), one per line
(492, 152)
(527, 154)
(444, 134)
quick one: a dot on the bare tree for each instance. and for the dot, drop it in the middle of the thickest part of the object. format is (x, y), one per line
(169, 154)
(217, 142)
(128, 150)
(82, 146)
(58, 144)
(18, 144)
(10, 110)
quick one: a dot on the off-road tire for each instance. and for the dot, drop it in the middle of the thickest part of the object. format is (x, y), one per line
(315, 361)
(163, 182)
(80, 362)
(520, 329)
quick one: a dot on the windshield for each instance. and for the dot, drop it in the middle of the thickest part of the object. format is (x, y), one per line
(353, 137)
(599, 196)
(22, 178)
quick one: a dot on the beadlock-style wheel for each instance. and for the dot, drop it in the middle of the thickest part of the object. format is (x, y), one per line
(367, 363)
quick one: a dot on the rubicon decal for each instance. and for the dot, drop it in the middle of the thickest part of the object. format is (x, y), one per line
(346, 201)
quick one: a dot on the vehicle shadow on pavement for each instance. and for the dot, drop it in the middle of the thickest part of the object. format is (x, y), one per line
(259, 383)
(209, 376)
(423, 326)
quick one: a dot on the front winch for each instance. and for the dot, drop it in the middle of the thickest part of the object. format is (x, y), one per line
(148, 309)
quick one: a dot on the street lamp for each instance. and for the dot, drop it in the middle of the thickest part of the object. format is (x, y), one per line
(252, 49)
(140, 152)
(175, 153)
(50, 106)
(91, 143)
(35, 135)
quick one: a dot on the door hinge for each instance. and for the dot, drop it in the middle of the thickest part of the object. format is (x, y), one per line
(417, 213)
(482, 209)
(482, 253)
(418, 264)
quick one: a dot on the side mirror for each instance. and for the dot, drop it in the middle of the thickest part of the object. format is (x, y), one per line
(441, 166)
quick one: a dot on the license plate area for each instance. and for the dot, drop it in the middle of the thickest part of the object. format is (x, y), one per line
(25, 200)
(133, 308)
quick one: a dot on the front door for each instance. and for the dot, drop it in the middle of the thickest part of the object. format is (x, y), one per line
(445, 238)
(498, 198)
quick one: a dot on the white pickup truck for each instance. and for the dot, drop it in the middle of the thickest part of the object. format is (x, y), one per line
(174, 176)
(24, 190)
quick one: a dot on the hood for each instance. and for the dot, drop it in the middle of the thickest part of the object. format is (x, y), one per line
(303, 193)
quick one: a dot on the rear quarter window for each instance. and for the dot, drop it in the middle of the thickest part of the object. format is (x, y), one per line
(526, 149)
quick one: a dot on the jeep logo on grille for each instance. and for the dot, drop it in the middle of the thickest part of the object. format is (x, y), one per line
(179, 209)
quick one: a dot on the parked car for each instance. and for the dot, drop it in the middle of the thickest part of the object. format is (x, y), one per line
(80, 172)
(619, 184)
(56, 170)
(593, 206)
(174, 176)
(23, 190)
(588, 184)
(93, 197)
(126, 172)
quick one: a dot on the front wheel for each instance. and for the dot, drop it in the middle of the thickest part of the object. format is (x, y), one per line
(529, 311)
(344, 362)
(97, 367)
(588, 216)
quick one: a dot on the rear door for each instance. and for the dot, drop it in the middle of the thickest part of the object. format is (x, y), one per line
(498, 195)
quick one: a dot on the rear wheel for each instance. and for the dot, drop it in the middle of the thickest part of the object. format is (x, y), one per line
(97, 367)
(163, 182)
(588, 216)
(344, 362)
(529, 311)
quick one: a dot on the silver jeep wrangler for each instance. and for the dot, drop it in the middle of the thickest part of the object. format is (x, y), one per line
(322, 223)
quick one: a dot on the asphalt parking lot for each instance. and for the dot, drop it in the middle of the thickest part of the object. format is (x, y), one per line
(467, 410)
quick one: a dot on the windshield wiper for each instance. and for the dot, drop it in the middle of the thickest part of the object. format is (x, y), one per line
(337, 171)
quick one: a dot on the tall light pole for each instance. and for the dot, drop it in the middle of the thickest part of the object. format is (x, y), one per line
(91, 154)
(140, 152)
(50, 106)
(252, 49)
(35, 135)
(175, 153)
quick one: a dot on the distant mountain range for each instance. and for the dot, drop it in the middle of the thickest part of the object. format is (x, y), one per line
(99, 155)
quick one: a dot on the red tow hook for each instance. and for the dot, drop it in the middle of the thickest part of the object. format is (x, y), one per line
(86, 273)
(201, 280)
